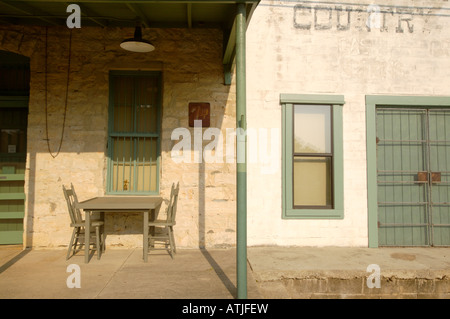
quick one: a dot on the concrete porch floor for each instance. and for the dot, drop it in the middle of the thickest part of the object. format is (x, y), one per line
(273, 272)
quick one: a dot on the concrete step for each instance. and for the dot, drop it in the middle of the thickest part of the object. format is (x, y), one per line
(326, 286)
(336, 272)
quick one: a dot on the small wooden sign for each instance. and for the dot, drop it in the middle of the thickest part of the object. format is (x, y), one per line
(199, 111)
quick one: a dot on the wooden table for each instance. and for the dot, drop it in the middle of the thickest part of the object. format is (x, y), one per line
(129, 204)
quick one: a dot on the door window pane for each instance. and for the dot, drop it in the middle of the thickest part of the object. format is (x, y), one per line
(312, 128)
(312, 181)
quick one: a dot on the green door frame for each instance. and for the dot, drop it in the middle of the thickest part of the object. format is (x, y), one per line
(372, 102)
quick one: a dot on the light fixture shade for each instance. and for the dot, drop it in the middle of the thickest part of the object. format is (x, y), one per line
(137, 44)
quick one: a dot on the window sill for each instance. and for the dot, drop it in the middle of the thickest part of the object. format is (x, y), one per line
(313, 214)
(132, 193)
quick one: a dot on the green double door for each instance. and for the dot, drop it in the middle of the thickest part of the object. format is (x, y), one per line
(413, 176)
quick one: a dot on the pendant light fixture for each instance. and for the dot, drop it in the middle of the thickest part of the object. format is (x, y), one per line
(137, 44)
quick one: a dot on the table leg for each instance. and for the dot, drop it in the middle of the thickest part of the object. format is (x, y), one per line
(145, 235)
(87, 239)
(102, 217)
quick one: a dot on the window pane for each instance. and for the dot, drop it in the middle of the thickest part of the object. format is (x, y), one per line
(123, 164)
(146, 164)
(134, 164)
(312, 128)
(312, 181)
(123, 104)
(146, 105)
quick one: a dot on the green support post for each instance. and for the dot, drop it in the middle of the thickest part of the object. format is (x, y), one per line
(241, 146)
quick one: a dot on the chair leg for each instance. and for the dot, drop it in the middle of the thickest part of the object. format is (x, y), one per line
(171, 242)
(173, 239)
(71, 243)
(103, 239)
(77, 235)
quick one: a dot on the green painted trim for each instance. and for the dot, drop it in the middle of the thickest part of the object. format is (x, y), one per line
(230, 46)
(288, 101)
(407, 101)
(371, 152)
(11, 237)
(312, 99)
(112, 134)
(14, 101)
(12, 177)
(372, 102)
(118, 134)
(229, 52)
(12, 215)
(10, 196)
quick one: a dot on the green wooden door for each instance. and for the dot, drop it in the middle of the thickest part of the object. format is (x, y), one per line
(439, 158)
(13, 137)
(413, 176)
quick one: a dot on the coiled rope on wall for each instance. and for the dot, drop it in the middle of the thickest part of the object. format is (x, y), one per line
(46, 94)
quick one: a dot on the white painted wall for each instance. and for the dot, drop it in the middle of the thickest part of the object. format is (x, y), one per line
(306, 51)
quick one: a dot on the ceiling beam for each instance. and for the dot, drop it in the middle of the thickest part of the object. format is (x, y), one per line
(138, 12)
(89, 14)
(4, 21)
(229, 52)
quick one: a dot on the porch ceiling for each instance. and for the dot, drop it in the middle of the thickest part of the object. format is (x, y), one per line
(125, 13)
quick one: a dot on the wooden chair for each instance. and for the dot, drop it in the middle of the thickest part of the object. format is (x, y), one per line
(163, 229)
(78, 224)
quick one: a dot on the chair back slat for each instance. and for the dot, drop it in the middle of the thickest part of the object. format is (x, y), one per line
(172, 207)
(72, 200)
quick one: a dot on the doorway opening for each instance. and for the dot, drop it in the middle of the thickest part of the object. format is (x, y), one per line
(413, 176)
(14, 95)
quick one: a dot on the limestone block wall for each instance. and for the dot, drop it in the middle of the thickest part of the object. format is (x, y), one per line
(191, 66)
(351, 48)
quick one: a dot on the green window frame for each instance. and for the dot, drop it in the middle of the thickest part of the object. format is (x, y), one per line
(134, 136)
(336, 209)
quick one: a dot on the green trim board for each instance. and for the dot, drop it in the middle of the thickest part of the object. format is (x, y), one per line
(11, 237)
(12, 215)
(336, 101)
(12, 196)
(12, 177)
(372, 102)
(14, 101)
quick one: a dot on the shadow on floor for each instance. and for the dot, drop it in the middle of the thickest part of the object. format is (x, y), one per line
(13, 260)
(220, 273)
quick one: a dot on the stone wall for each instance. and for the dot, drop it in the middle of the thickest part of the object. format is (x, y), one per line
(352, 48)
(191, 65)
